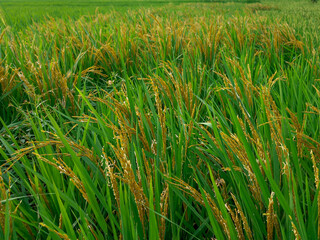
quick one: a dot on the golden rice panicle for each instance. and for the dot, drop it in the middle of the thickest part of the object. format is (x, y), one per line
(299, 131)
(315, 170)
(5, 196)
(237, 222)
(3, 192)
(60, 165)
(29, 88)
(295, 230)
(7, 77)
(123, 133)
(243, 218)
(164, 210)
(162, 114)
(142, 133)
(61, 235)
(92, 230)
(270, 218)
(128, 176)
(235, 146)
(110, 165)
(4, 30)
(274, 122)
(60, 221)
(149, 170)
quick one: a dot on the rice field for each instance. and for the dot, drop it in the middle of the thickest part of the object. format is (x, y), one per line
(160, 120)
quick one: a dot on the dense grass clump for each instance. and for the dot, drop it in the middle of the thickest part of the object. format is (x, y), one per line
(160, 124)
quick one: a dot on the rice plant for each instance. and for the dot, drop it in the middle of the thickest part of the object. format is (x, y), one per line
(160, 124)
